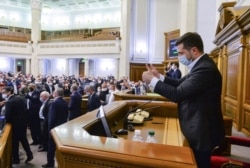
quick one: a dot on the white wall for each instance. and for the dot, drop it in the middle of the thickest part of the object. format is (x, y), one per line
(105, 67)
(164, 18)
(5, 63)
(150, 24)
(206, 22)
(58, 67)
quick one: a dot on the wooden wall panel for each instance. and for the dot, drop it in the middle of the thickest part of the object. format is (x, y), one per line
(230, 111)
(232, 74)
(246, 122)
(136, 70)
(247, 90)
(233, 40)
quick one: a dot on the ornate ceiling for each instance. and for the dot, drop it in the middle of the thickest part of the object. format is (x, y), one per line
(68, 5)
(62, 14)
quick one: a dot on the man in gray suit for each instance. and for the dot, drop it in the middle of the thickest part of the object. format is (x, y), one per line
(198, 95)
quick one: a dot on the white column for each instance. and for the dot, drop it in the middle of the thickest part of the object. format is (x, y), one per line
(27, 64)
(187, 22)
(36, 6)
(86, 67)
(187, 16)
(116, 75)
(66, 67)
(125, 42)
(41, 67)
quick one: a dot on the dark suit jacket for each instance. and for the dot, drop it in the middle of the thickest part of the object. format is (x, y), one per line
(16, 112)
(198, 95)
(34, 103)
(46, 110)
(176, 74)
(93, 102)
(75, 105)
(58, 113)
(1, 99)
(47, 88)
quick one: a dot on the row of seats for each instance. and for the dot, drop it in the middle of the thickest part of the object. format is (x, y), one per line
(220, 161)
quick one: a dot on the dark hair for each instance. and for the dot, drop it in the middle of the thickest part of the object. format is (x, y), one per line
(176, 63)
(189, 40)
(9, 89)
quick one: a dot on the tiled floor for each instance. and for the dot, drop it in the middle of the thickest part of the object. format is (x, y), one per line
(240, 153)
(40, 158)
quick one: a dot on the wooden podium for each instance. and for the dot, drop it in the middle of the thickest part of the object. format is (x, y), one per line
(80, 142)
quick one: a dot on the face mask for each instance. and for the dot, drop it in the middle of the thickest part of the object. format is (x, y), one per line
(172, 67)
(183, 59)
(87, 93)
(4, 96)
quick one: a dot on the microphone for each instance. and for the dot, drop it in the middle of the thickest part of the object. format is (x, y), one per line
(129, 127)
(141, 105)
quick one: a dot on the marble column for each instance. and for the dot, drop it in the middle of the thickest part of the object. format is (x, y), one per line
(27, 64)
(86, 67)
(36, 7)
(66, 71)
(187, 22)
(125, 42)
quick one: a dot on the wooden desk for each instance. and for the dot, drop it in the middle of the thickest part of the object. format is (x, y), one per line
(126, 95)
(76, 148)
(5, 147)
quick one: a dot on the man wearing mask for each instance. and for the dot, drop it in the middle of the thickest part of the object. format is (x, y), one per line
(198, 96)
(57, 115)
(17, 115)
(75, 103)
(43, 114)
(49, 86)
(93, 99)
(33, 106)
(176, 74)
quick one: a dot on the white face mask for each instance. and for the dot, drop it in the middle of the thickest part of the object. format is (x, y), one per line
(4, 96)
(183, 59)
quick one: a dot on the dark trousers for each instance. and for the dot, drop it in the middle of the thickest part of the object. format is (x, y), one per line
(45, 133)
(51, 151)
(34, 123)
(203, 158)
(19, 135)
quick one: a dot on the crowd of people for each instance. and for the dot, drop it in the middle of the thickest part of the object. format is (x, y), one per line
(40, 105)
(26, 100)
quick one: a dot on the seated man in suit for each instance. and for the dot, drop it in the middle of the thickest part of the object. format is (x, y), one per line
(75, 102)
(93, 99)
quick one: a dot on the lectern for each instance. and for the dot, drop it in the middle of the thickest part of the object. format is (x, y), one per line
(80, 142)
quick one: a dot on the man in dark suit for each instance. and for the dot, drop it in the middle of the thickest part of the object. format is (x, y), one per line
(176, 74)
(57, 115)
(75, 103)
(198, 95)
(33, 106)
(43, 114)
(16, 114)
(49, 86)
(93, 99)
